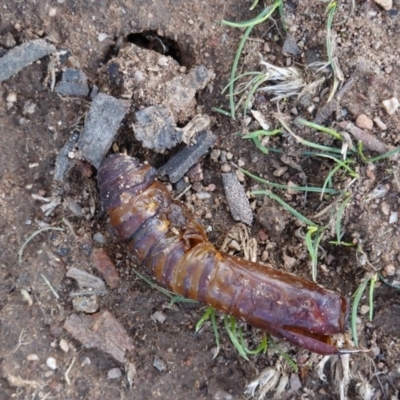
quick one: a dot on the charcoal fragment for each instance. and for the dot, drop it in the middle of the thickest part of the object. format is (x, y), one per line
(73, 83)
(179, 164)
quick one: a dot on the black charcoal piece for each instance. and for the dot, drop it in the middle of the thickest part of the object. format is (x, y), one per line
(20, 57)
(155, 127)
(73, 83)
(179, 164)
(101, 127)
(237, 199)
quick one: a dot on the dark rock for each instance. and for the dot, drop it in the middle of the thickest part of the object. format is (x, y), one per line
(178, 165)
(73, 83)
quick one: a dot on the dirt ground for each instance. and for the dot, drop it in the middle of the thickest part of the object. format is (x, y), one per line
(169, 360)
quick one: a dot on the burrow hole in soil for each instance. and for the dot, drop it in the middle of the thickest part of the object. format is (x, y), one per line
(161, 44)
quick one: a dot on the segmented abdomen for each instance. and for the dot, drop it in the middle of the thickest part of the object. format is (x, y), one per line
(163, 236)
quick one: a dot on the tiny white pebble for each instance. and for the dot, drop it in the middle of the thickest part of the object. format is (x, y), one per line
(390, 270)
(51, 363)
(203, 195)
(99, 238)
(364, 309)
(391, 105)
(102, 36)
(64, 346)
(11, 97)
(52, 12)
(162, 61)
(394, 217)
(32, 357)
(226, 168)
(114, 373)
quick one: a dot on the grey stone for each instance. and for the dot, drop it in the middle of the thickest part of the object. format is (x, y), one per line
(101, 127)
(178, 165)
(63, 162)
(237, 199)
(20, 57)
(7, 40)
(290, 46)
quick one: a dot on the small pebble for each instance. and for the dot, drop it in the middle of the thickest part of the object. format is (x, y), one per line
(280, 171)
(158, 316)
(380, 124)
(114, 373)
(203, 195)
(394, 217)
(388, 69)
(385, 4)
(52, 12)
(389, 270)
(385, 208)
(32, 357)
(99, 238)
(163, 61)
(226, 168)
(64, 346)
(11, 97)
(102, 37)
(51, 363)
(391, 105)
(364, 122)
(215, 154)
(364, 309)
(240, 175)
(159, 364)
(86, 304)
(229, 156)
(241, 163)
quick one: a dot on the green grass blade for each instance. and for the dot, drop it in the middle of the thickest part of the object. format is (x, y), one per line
(260, 18)
(377, 158)
(286, 187)
(260, 146)
(216, 332)
(231, 329)
(338, 223)
(262, 132)
(320, 128)
(357, 297)
(286, 206)
(175, 298)
(46, 228)
(265, 13)
(221, 111)
(371, 296)
(285, 356)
